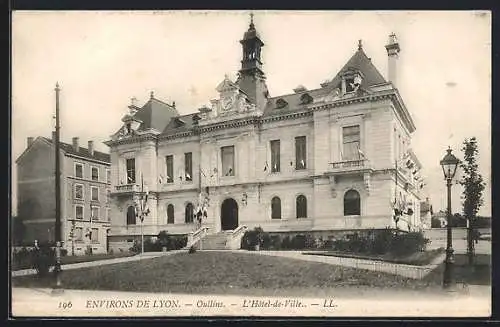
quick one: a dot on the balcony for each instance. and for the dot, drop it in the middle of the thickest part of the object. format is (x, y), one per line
(350, 166)
(126, 188)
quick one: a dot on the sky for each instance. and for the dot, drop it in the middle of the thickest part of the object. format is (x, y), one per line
(103, 59)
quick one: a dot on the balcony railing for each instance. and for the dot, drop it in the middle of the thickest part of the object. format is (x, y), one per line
(126, 188)
(348, 164)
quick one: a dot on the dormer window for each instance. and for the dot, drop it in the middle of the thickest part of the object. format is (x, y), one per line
(306, 98)
(280, 103)
(128, 126)
(351, 80)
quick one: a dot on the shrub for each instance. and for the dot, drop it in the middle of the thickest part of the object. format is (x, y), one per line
(275, 242)
(382, 241)
(136, 247)
(408, 243)
(165, 240)
(298, 242)
(286, 243)
(309, 241)
(266, 241)
(253, 237)
(177, 242)
(43, 258)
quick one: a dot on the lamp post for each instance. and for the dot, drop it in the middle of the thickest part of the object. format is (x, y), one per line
(449, 164)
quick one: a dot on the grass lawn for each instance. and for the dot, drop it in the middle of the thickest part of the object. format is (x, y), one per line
(477, 274)
(77, 259)
(416, 259)
(225, 273)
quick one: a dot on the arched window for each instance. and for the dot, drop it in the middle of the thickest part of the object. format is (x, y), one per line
(170, 214)
(131, 215)
(352, 203)
(189, 213)
(276, 208)
(301, 206)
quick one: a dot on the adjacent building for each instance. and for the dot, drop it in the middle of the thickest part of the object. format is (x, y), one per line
(329, 159)
(85, 185)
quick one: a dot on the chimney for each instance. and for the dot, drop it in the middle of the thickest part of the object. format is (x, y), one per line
(91, 148)
(76, 147)
(54, 136)
(393, 53)
(30, 141)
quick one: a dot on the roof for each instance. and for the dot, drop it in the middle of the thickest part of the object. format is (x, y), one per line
(293, 100)
(155, 114)
(82, 152)
(180, 124)
(360, 61)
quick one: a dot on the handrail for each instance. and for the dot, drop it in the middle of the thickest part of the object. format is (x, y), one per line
(195, 236)
(238, 230)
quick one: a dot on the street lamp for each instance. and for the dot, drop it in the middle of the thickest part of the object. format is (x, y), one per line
(449, 164)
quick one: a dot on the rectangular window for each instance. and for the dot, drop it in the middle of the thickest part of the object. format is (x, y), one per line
(94, 193)
(130, 171)
(227, 156)
(275, 156)
(351, 143)
(95, 213)
(300, 152)
(95, 235)
(78, 212)
(78, 170)
(78, 234)
(108, 175)
(95, 173)
(108, 214)
(79, 191)
(169, 160)
(188, 166)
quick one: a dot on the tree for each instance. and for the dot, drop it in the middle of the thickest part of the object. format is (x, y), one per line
(18, 230)
(473, 185)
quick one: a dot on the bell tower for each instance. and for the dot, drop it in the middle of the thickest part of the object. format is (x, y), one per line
(251, 78)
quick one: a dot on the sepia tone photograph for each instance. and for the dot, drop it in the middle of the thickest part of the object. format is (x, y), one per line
(250, 164)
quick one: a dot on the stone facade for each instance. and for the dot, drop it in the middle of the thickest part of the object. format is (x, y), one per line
(321, 178)
(36, 194)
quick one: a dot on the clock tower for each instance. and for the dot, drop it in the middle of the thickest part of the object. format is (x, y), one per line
(251, 78)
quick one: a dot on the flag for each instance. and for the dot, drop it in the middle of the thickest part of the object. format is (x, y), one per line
(361, 153)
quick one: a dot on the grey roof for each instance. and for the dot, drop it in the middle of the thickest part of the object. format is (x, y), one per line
(82, 152)
(155, 114)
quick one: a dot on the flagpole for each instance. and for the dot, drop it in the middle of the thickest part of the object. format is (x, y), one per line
(57, 238)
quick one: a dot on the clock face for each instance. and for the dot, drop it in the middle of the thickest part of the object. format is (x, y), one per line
(226, 103)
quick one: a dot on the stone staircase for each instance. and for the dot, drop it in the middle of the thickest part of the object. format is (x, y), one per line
(216, 241)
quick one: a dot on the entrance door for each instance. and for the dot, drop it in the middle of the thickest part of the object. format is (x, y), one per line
(229, 215)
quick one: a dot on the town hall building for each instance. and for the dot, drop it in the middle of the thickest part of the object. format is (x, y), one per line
(334, 158)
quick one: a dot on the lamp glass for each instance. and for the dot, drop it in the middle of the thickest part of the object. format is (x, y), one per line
(449, 165)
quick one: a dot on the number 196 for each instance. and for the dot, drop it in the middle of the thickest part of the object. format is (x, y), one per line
(65, 305)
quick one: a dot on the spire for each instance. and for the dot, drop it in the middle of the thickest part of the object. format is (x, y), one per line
(252, 26)
(360, 45)
(152, 94)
